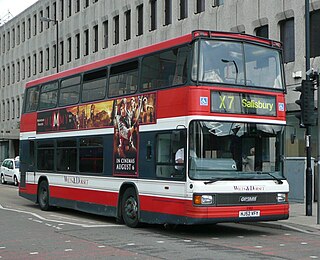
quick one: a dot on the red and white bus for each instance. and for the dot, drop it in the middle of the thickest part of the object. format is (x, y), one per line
(110, 137)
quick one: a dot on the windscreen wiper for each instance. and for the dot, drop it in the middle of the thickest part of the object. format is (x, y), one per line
(221, 179)
(274, 177)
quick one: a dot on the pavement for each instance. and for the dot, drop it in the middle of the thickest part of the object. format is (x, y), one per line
(298, 220)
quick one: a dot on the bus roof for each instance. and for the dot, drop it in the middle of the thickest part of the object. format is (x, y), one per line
(153, 48)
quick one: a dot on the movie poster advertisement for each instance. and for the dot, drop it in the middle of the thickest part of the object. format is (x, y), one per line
(129, 113)
(123, 114)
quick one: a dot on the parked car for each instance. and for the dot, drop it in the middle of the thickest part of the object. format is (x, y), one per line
(10, 171)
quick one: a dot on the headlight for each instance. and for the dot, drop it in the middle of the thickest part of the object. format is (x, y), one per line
(282, 197)
(203, 199)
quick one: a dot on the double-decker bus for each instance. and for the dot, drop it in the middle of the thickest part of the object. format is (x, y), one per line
(186, 131)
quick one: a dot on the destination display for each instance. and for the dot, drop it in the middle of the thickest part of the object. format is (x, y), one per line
(243, 103)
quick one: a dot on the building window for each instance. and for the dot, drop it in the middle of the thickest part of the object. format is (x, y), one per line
(86, 42)
(61, 10)
(167, 12)
(77, 6)
(18, 107)
(8, 110)
(18, 71)
(3, 111)
(13, 74)
(116, 29)
(34, 64)
(41, 23)
(54, 11)
(200, 6)
(69, 9)
(3, 79)
(95, 38)
(34, 25)
(8, 43)
(314, 33)
(105, 34)
(86, 3)
(153, 17)
(61, 47)
(54, 56)
(218, 2)
(18, 34)
(3, 76)
(13, 37)
(29, 28)
(69, 49)
(47, 15)
(3, 43)
(13, 109)
(263, 31)
(127, 15)
(183, 9)
(23, 35)
(23, 68)
(47, 59)
(77, 54)
(140, 19)
(40, 61)
(287, 38)
(8, 77)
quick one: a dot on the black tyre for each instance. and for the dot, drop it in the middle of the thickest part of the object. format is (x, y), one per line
(2, 179)
(43, 195)
(130, 208)
(15, 181)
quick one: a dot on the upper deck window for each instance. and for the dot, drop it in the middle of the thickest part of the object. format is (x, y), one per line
(94, 85)
(49, 96)
(123, 79)
(32, 99)
(237, 63)
(165, 69)
(69, 91)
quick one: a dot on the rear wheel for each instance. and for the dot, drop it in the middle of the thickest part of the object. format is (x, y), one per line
(43, 195)
(3, 181)
(130, 208)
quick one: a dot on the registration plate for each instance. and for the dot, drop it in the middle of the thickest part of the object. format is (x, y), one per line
(249, 213)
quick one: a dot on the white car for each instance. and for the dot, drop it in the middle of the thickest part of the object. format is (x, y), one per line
(10, 171)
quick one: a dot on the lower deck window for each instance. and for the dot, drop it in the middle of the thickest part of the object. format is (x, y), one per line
(45, 159)
(91, 155)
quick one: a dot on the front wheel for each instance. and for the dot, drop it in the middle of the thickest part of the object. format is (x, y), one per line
(130, 208)
(15, 181)
(3, 181)
(43, 195)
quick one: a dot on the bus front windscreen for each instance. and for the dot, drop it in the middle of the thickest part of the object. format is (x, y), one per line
(229, 150)
(237, 63)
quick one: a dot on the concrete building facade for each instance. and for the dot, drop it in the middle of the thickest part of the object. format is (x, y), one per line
(83, 31)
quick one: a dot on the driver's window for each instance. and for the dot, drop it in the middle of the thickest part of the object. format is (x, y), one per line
(10, 165)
